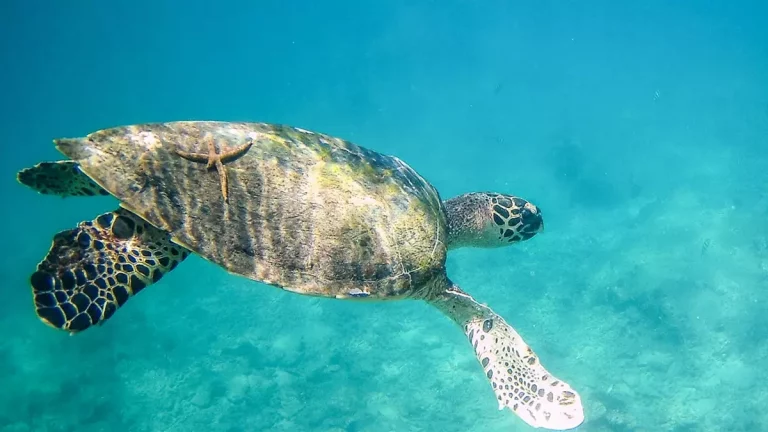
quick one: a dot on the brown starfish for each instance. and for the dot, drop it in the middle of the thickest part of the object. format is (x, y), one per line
(215, 159)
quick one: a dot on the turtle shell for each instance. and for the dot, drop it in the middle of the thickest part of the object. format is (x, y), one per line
(305, 211)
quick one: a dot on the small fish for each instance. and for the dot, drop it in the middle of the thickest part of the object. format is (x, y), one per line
(705, 246)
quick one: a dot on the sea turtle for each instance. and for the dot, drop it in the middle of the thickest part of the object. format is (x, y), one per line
(300, 210)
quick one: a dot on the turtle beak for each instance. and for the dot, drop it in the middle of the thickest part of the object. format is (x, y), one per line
(533, 221)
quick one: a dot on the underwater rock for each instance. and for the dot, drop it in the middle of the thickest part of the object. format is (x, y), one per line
(238, 388)
(202, 398)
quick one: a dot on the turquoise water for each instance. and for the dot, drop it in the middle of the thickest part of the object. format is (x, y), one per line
(640, 130)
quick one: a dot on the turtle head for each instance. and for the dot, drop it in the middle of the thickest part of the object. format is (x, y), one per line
(487, 219)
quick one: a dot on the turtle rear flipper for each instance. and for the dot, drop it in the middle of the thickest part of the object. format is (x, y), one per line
(519, 380)
(92, 270)
(62, 178)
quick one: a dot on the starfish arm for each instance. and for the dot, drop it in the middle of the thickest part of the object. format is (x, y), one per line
(194, 157)
(236, 152)
(223, 178)
(213, 156)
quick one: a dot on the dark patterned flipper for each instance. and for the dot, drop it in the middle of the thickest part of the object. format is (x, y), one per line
(62, 178)
(92, 270)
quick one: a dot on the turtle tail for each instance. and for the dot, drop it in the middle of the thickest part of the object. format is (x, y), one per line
(92, 270)
(62, 178)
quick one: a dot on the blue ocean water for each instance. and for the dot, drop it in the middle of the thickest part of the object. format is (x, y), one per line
(639, 128)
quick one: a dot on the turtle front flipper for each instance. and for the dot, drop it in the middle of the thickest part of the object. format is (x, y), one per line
(518, 378)
(62, 178)
(92, 270)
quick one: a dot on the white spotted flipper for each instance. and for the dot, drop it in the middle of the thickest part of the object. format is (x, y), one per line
(62, 178)
(519, 380)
